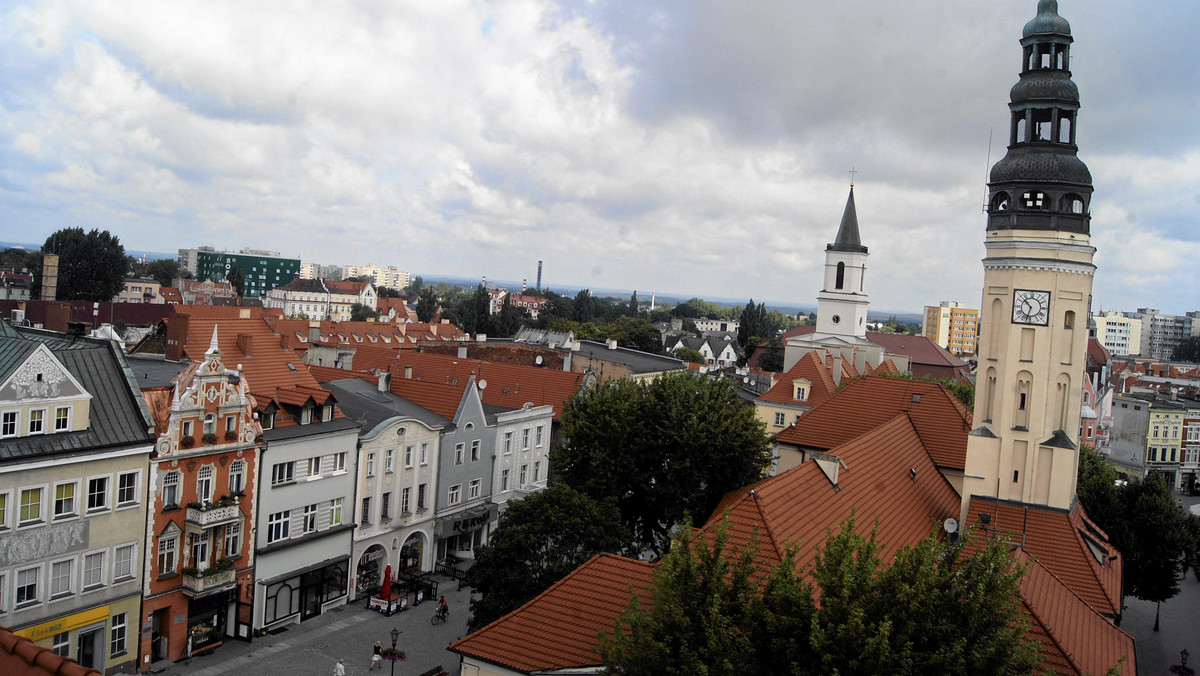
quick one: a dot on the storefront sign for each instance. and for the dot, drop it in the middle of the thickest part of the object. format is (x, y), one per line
(470, 523)
(58, 626)
(44, 542)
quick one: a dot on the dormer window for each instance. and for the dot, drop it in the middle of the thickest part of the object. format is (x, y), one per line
(37, 418)
(8, 423)
(62, 419)
(800, 389)
(306, 415)
(327, 412)
(267, 420)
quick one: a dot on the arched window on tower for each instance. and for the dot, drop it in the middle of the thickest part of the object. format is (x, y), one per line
(841, 276)
(1021, 416)
(1000, 201)
(1072, 204)
(996, 320)
(1043, 124)
(1064, 128)
(1068, 344)
(989, 393)
(1020, 133)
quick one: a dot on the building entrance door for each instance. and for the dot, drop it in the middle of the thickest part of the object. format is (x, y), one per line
(90, 651)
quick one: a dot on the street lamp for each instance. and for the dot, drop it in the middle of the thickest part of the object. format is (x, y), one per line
(395, 637)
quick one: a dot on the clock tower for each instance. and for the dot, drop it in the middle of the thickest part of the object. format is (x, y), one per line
(1037, 287)
(842, 303)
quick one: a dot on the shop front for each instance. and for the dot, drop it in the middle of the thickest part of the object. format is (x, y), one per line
(369, 573)
(305, 592)
(459, 534)
(412, 553)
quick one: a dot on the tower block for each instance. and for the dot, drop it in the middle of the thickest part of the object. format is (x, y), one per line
(1037, 287)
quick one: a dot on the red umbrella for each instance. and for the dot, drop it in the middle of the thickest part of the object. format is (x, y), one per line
(386, 592)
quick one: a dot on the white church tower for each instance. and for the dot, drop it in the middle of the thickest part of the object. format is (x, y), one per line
(842, 303)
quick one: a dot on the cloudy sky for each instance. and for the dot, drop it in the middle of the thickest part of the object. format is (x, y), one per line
(693, 147)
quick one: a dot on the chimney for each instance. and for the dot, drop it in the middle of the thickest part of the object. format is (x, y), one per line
(836, 370)
(244, 313)
(408, 372)
(314, 332)
(462, 352)
(612, 343)
(245, 343)
(480, 338)
(524, 284)
(385, 381)
(50, 277)
(539, 283)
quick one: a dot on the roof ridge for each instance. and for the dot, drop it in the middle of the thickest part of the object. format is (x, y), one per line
(1047, 627)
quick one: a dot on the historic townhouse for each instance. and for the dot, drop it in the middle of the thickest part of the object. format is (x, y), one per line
(75, 440)
(200, 559)
(320, 299)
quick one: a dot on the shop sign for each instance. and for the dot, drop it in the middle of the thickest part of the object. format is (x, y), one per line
(58, 626)
(470, 523)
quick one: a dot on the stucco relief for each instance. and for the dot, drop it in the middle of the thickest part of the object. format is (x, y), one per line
(40, 377)
(43, 542)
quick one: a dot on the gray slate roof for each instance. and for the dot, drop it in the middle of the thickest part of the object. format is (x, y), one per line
(638, 362)
(152, 370)
(119, 417)
(362, 402)
(847, 236)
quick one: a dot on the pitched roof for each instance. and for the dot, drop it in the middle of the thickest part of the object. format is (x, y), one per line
(559, 628)
(1066, 542)
(811, 368)
(847, 236)
(926, 358)
(21, 657)
(508, 385)
(941, 420)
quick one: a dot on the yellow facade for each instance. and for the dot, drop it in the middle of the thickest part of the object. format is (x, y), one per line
(952, 326)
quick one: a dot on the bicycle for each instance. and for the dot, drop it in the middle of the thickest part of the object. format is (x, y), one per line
(440, 615)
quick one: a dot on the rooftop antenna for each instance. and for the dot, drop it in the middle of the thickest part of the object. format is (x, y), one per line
(985, 169)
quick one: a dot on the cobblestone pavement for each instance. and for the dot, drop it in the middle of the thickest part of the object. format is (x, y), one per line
(314, 647)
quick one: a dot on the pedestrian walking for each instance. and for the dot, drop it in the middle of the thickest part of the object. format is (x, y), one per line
(377, 657)
(339, 669)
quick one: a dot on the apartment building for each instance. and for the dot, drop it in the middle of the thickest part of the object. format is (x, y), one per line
(953, 326)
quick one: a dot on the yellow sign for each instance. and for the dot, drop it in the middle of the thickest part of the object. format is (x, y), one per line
(58, 626)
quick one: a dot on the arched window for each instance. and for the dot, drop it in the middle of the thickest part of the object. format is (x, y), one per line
(210, 424)
(1064, 128)
(1024, 403)
(841, 276)
(237, 476)
(1021, 135)
(204, 483)
(170, 495)
(1000, 201)
(990, 395)
(1072, 204)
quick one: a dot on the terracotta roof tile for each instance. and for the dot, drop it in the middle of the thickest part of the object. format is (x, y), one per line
(941, 420)
(508, 385)
(560, 627)
(21, 657)
(811, 368)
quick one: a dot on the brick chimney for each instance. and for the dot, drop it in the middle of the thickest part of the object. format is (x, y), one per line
(245, 343)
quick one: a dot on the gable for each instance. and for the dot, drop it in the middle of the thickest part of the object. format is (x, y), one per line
(40, 377)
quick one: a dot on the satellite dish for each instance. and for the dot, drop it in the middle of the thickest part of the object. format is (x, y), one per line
(950, 525)
(746, 379)
(483, 384)
(538, 360)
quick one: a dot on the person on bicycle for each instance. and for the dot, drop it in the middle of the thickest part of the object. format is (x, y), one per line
(443, 608)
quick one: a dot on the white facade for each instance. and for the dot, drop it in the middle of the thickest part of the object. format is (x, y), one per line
(1118, 333)
(391, 276)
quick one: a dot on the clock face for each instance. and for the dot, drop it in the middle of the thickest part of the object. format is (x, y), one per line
(1031, 307)
(836, 319)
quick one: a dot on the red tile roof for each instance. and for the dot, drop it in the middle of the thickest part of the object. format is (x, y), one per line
(560, 627)
(941, 420)
(1060, 541)
(21, 657)
(811, 368)
(171, 294)
(508, 385)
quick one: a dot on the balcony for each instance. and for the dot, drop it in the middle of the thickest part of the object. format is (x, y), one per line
(209, 582)
(210, 516)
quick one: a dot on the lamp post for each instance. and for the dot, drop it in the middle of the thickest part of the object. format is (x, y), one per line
(395, 637)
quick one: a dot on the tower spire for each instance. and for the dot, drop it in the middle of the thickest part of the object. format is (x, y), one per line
(847, 236)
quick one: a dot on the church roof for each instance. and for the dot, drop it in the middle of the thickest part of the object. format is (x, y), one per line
(847, 235)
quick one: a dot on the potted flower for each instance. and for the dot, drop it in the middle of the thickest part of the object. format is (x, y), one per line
(231, 435)
(209, 438)
(187, 441)
(394, 655)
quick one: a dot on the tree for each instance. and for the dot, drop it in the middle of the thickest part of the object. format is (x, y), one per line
(667, 450)
(633, 305)
(236, 280)
(635, 333)
(583, 308)
(507, 322)
(361, 313)
(91, 266)
(365, 279)
(688, 354)
(771, 355)
(755, 322)
(388, 292)
(164, 271)
(1188, 350)
(540, 539)
(939, 607)
(427, 304)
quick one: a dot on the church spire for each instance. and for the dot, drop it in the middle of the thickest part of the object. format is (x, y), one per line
(847, 236)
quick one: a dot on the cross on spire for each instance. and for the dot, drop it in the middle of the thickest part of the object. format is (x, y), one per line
(853, 171)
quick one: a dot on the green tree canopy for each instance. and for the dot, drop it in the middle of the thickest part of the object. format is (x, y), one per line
(688, 354)
(361, 313)
(415, 284)
(427, 304)
(667, 450)
(164, 271)
(91, 265)
(756, 322)
(237, 280)
(540, 539)
(583, 308)
(388, 292)
(939, 607)
(633, 305)
(1188, 350)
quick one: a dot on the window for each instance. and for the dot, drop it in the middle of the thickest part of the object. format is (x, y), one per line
(455, 495)
(385, 506)
(187, 428)
(267, 420)
(97, 498)
(231, 425)
(8, 428)
(306, 412)
(118, 634)
(171, 489)
(237, 476)
(421, 497)
(387, 461)
(36, 420)
(127, 489)
(339, 462)
(540, 429)
(27, 587)
(458, 454)
(309, 524)
(370, 464)
(405, 494)
(64, 500)
(365, 514)
(31, 506)
(473, 488)
(475, 450)
(93, 570)
(166, 554)
(780, 418)
(210, 424)
(3, 525)
(60, 578)
(524, 468)
(335, 512)
(408, 456)
(504, 480)
(200, 556)
(507, 442)
(424, 453)
(525, 439)
(62, 419)
(123, 562)
(62, 644)
(313, 467)
(278, 526)
(204, 483)
(537, 470)
(233, 540)
(282, 473)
